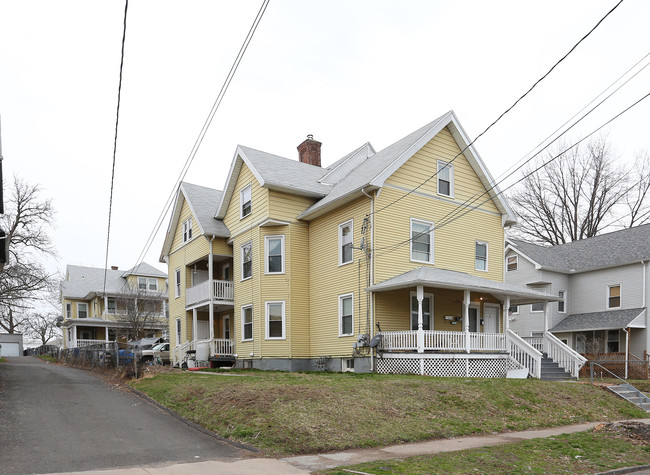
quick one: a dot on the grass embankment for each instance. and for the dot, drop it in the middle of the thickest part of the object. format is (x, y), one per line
(48, 358)
(2, 359)
(583, 452)
(298, 413)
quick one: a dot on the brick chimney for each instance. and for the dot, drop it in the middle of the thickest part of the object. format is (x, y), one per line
(309, 151)
(114, 267)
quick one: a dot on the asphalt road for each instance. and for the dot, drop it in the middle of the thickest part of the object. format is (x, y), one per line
(59, 419)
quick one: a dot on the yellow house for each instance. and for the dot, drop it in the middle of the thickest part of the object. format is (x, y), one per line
(100, 306)
(388, 261)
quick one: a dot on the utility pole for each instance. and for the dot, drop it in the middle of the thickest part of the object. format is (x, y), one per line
(4, 245)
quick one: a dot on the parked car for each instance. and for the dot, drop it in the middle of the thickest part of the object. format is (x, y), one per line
(161, 354)
(146, 346)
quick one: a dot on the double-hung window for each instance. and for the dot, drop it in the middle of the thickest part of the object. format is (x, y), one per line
(275, 326)
(178, 332)
(481, 259)
(421, 241)
(245, 204)
(146, 283)
(561, 305)
(177, 283)
(614, 296)
(345, 242)
(427, 307)
(82, 310)
(247, 322)
(445, 178)
(187, 229)
(274, 259)
(111, 306)
(246, 261)
(512, 263)
(346, 319)
(68, 310)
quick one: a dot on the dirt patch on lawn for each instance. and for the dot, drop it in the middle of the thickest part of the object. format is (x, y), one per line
(638, 432)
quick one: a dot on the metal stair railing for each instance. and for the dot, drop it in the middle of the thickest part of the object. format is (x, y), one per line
(640, 395)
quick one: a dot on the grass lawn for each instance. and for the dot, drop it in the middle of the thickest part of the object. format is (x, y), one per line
(49, 358)
(582, 452)
(2, 359)
(299, 413)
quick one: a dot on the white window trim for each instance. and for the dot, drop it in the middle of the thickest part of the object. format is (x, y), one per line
(450, 167)
(516, 263)
(341, 226)
(87, 309)
(620, 296)
(431, 240)
(266, 253)
(564, 299)
(341, 297)
(241, 256)
(177, 282)
(266, 319)
(243, 307)
(431, 312)
(487, 255)
(178, 331)
(187, 230)
(248, 187)
(68, 310)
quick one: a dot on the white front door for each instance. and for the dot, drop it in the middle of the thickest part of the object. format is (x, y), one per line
(490, 319)
(202, 329)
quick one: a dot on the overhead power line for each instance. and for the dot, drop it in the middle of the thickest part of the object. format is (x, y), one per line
(504, 112)
(117, 123)
(204, 129)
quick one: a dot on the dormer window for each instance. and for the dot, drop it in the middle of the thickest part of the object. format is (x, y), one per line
(445, 179)
(187, 229)
(245, 201)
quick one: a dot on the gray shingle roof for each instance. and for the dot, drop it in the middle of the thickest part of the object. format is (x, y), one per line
(609, 320)
(447, 279)
(286, 174)
(204, 202)
(607, 250)
(84, 280)
(143, 269)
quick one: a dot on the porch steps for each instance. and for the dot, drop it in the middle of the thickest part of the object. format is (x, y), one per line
(632, 394)
(551, 371)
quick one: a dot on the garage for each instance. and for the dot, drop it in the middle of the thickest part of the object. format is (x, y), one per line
(9, 349)
(11, 344)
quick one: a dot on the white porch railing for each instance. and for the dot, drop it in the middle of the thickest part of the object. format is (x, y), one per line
(222, 290)
(564, 356)
(218, 346)
(443, 341)
(535, 341)
(524, 354)
(84, 342)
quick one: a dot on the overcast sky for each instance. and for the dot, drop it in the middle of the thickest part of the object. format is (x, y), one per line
(345, 71)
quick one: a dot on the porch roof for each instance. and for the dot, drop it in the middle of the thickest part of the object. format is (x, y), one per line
(608, 320)
(447, 279)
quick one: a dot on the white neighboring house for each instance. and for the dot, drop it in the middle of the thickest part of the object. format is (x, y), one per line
(603, 283)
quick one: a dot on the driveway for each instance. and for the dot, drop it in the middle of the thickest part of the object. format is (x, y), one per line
(59, 419)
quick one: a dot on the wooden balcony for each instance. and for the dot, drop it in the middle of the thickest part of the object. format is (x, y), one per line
(222, 290)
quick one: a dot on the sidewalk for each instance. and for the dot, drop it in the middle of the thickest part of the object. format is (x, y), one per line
(308, 463)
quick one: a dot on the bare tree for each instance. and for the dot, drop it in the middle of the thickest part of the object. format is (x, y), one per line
(27, 220)
(140, 310)
(580, 194)
(43, 327)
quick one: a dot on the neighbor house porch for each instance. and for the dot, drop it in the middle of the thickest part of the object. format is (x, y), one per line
(445, 323)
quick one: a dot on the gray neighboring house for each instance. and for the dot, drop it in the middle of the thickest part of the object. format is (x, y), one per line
(11, 344)
(603, 283)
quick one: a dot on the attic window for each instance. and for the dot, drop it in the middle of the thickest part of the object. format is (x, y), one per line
(445, 179)
(512, 263)
(187, 229)
(245, 201)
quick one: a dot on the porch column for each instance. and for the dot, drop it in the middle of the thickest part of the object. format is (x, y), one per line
(74, 336)
(545, 317)
(194, 324)
(105, 305)
(106, 334)
(420, 297)
(506, 311)
(466, 319)
(211, 280)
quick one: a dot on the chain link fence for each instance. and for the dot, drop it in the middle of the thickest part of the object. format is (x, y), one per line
(49, 350)
(110, 355)
(616, 364)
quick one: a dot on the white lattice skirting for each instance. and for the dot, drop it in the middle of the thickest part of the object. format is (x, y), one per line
(474, 366)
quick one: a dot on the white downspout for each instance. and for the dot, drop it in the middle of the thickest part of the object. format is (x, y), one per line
(211, 289)
(627, 349)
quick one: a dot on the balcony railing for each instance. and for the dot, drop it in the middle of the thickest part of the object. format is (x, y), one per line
(200, 293)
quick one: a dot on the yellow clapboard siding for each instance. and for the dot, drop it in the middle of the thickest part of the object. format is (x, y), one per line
(284, 206)
(259, 203)
(298, 269)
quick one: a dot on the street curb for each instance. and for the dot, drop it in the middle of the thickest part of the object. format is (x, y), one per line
(193, 425)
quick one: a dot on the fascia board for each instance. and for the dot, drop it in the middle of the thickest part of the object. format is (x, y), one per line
(409, 152)
(173, 222)
(235, 168)
(340, 201)
(479, 167)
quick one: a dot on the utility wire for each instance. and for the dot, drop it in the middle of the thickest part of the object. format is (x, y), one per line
(202, 133)
(117, 122)
(503, 113)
